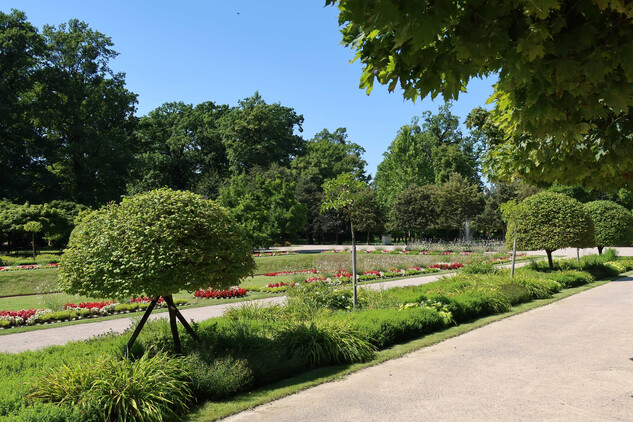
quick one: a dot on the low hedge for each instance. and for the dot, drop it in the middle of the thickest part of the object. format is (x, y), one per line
(385, 327)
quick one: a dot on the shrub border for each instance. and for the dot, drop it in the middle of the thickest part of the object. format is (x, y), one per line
(212, 411)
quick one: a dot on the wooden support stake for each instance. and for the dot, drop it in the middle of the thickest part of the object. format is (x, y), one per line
(173, 323)
(139, 327)
(183, 320)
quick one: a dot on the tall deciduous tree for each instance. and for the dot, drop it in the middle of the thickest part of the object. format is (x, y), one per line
(368, 213)
(181, 149)
(427, 153)
(87, 118)
(326, 156)
(415, 209)
(21, 51)
(260, 134)
(565, 88)
(264, 204)
(457, 200)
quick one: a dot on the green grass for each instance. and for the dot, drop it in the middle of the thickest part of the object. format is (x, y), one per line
(212, 411)
(28, 281)
(269, 264)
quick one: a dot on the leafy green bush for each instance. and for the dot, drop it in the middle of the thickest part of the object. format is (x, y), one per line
(155, 244)
(613, 223)
(323, 341)
(45, 259)
(385, 327)
(571, 278)
(319, 295)
(220, 378)
(148, 389)
(479, 266)
(551, 221)
(593, 264)
(473, 304)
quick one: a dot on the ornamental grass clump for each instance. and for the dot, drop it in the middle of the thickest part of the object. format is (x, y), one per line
(322, 341)
(153, 388)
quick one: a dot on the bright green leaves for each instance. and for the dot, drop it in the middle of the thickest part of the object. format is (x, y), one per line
(613, 223)
(565, 74)
(153, 244)
(341, 193)
(550, 221)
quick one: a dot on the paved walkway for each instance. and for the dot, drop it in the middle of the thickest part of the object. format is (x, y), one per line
(568, 361)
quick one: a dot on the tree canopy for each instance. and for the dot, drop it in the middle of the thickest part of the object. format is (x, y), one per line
(565, 73)
(613, 224)
(155, 244)
(551, 221)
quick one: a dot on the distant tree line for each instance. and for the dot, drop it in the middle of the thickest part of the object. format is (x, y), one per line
(70, 141)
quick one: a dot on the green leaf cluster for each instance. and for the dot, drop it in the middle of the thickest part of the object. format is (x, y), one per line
(155, 244)
(551, 221)
(613, 223)
(565, 74)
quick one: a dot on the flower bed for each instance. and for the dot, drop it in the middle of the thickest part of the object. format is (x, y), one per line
(276, 273)
(74, 311)
(280, 284)
(221, 294)
(258, 254)
(445, 266)
(28, 267)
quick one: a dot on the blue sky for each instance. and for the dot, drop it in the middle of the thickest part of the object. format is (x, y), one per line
(223, 51)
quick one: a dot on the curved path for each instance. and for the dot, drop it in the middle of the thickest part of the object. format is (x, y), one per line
(569, 361)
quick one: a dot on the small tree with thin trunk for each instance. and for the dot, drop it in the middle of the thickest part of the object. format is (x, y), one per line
(613, 224)
(342, 194)
(34, 228)
(155, 244)
(551, 221)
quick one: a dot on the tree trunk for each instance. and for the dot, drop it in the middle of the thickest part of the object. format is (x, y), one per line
(338, 241)
(33, 244)
(600, 248)
(549, 259)
(514, 249)
(368, 235)
(353, 265)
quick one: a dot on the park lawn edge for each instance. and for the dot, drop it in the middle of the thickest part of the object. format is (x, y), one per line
(211, 411)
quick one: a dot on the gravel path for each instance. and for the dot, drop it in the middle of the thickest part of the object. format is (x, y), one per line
(568, 361)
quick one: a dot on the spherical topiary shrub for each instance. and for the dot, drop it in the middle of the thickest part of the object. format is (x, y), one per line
(613, 224)
(551, 221)
(155, 244)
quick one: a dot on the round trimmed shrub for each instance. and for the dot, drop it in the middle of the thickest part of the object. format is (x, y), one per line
(613, 224)
(551, 221)
(155, 244)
